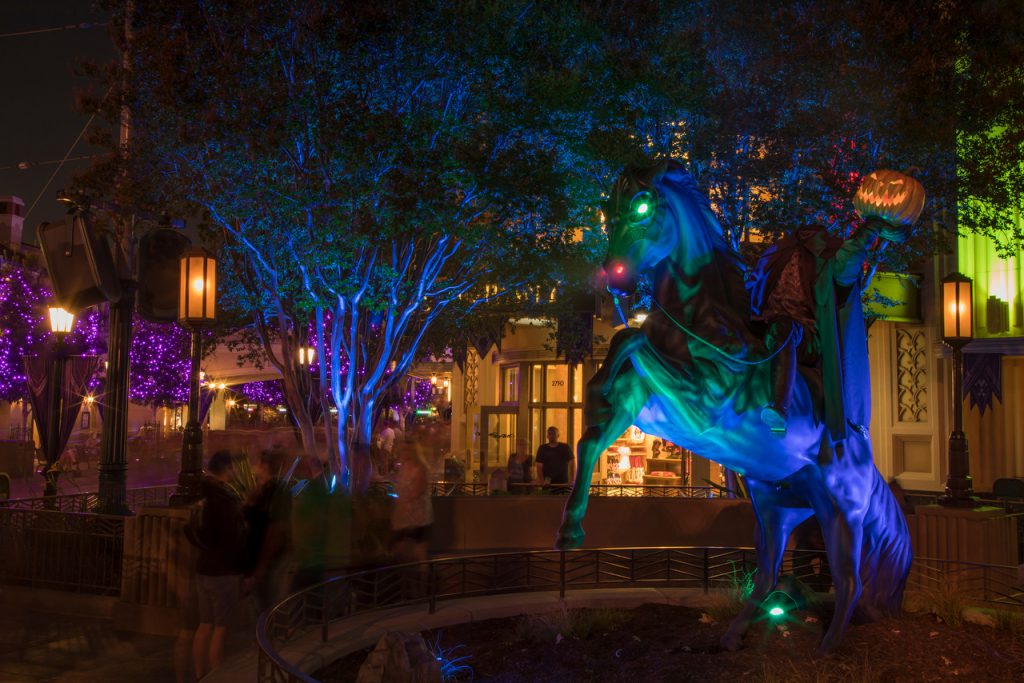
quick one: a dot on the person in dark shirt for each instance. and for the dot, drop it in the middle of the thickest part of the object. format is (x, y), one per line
(553, 461)
(220, 538)
(268, 515)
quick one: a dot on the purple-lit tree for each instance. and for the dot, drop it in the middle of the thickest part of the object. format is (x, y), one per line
(159, 362)
(22, 315)
(24, 328)
(266, 393)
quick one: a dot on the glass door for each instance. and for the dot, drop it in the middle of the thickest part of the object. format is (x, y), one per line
(497, 438)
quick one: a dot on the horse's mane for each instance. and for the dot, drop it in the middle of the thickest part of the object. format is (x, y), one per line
(700, 231)
(701, 244)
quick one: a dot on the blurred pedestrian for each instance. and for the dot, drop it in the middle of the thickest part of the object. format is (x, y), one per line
(268, 515)
(385, 448)
(309, 524)
(219, 534)
(413, 514)
(520, 468)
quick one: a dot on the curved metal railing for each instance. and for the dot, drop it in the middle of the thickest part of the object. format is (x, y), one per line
(313, 611)
(472, 488)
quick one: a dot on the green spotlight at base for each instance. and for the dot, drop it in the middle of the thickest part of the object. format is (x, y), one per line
(776, 611)
(642, 208)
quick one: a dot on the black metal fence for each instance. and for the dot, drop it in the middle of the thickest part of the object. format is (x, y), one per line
(87, 501)
(72, 551)
(312, 612)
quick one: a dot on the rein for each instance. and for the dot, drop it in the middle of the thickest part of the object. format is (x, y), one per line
(721, 351)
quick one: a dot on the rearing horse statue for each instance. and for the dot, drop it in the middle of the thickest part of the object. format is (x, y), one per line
(698, 374)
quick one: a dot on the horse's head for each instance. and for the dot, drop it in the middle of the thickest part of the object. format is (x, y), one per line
(655, 211)
(635, 220)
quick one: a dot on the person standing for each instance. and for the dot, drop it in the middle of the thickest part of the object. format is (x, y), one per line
(220, 536)
(520, 468)
(385, 447)
(268, 514)
(413, 513)
(553, 462)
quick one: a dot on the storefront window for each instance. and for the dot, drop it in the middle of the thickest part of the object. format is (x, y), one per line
(559, 395)
(510, 384)
(556, 384)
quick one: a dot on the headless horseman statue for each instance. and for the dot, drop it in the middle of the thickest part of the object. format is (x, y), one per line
(800, 289)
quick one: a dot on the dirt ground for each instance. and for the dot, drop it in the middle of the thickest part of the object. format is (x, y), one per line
(667, 643)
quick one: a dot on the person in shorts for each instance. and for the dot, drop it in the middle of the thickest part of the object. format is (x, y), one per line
(220, 537)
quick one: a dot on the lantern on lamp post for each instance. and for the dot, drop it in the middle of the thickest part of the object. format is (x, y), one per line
(61, 323)
(957, 332)
(197, 295)
(307, 355)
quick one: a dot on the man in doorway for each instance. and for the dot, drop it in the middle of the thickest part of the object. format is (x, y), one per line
(554, 460)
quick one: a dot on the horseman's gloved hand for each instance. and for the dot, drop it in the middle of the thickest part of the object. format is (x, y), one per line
(893, 233)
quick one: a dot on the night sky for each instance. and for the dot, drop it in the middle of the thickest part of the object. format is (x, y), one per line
(37, 114)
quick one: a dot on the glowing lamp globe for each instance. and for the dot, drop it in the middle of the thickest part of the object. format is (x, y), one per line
(890, 196)
(61, 321)
(957, 311)
(197, 295)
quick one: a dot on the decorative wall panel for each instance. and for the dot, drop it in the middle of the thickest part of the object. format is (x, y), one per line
(911, 374)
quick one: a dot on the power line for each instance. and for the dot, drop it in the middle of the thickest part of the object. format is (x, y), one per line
(61, 164)
(66, 27)
(25, 165)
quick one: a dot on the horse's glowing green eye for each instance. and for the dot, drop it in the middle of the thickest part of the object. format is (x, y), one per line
(641, 207)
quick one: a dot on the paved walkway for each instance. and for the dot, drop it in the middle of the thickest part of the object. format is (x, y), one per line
(50, 646)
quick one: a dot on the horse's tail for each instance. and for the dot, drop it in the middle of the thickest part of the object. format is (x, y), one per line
(886, 557)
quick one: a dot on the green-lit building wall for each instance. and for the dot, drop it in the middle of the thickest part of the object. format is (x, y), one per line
(998, 287)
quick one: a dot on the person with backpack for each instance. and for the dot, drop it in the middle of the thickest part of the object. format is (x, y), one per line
(217, 528)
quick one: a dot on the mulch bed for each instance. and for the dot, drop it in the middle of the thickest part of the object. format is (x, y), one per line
(667, 643)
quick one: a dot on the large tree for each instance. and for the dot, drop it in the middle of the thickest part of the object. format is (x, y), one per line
(358, 172)
(369, 172)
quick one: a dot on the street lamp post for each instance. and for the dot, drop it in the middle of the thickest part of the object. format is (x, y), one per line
(957, 332)
(61, 322)
(196, 310)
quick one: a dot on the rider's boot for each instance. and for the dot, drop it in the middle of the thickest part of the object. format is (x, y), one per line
(783, 376)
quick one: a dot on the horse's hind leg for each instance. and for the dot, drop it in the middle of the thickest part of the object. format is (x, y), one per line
(605, 425)
(774, 525)
(843, 538)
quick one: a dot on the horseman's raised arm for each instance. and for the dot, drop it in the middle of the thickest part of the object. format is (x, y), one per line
(851, 256)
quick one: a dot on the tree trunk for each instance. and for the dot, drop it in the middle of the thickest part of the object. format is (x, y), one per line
(359, 458)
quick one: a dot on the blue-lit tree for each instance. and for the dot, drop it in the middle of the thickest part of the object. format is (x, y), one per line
(360, 174)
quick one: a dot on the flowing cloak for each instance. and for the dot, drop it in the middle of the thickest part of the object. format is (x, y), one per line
(832, 273)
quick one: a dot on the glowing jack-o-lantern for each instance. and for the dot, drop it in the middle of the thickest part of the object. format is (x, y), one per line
(891, 196)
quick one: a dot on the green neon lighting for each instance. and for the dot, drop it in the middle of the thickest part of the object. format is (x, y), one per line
(424, 412)
(776, 611)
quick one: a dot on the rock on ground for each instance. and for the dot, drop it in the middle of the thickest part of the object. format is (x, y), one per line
(400, 658)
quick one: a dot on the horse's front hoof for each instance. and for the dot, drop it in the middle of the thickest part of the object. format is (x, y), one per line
(824, 648)
(569, 538)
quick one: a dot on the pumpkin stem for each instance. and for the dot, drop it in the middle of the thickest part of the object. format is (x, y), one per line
(911, 171)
